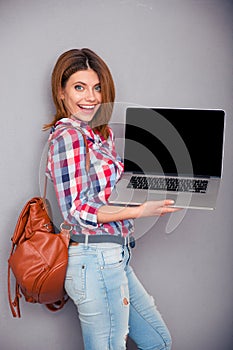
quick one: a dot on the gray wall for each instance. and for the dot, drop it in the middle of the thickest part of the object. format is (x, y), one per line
(161, 53)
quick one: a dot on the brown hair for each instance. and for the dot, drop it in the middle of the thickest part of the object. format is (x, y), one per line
(81, 59)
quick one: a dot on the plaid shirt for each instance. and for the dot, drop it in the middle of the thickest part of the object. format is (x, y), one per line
(80, 193)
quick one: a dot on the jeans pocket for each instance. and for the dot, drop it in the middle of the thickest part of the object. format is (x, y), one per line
(113, 258)
(75, 283)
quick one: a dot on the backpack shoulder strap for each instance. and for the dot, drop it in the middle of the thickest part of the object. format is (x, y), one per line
(14, 304)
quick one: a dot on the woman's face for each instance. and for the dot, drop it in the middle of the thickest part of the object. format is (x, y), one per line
(82, 94)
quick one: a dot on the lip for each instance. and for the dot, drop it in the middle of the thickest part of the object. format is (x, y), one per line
(88, 108)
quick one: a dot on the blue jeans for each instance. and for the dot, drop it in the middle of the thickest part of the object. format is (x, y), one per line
(111, 301)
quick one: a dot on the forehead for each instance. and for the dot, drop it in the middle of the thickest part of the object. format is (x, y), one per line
(88, 76)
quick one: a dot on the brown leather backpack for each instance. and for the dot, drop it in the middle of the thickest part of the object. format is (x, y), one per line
(38, 259)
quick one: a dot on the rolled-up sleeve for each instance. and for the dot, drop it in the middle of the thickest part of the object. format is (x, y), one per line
(79, 205)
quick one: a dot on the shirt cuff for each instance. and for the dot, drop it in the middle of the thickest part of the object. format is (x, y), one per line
(87, 216)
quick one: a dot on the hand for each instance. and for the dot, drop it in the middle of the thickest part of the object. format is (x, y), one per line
(156, 208)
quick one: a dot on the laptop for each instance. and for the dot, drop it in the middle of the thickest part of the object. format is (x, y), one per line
(171, 153)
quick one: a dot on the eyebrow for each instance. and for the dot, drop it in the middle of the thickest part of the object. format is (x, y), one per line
(81, 82)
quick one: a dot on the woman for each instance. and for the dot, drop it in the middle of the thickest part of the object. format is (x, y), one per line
(111, 302)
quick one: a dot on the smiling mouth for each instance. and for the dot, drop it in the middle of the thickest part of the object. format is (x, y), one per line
(87, 107)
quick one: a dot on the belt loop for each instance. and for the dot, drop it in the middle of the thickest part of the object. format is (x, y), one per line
(86, 240)
(127, 240)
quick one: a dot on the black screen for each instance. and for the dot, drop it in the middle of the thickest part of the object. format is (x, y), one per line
(174, 141)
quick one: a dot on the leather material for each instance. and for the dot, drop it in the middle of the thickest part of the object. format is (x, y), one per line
(38, 258)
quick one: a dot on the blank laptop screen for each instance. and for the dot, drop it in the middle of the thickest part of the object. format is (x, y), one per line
(187, 142)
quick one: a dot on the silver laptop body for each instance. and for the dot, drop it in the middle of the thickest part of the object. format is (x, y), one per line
(172, 153)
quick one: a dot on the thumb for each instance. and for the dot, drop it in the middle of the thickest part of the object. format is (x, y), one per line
(168, 202)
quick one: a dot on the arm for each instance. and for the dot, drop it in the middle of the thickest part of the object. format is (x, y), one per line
(109, 213)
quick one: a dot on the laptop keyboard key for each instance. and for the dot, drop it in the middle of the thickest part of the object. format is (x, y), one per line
(168, 184)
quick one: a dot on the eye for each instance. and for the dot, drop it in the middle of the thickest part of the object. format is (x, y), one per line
(78, 87)
(98, 88)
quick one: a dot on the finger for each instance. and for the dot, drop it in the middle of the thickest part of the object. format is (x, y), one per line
(162, 203)
(170, 210)
(168, 202)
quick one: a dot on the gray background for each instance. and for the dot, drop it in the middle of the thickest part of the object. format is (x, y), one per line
(161, 53)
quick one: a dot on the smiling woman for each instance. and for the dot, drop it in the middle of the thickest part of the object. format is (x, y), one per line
(111, 302)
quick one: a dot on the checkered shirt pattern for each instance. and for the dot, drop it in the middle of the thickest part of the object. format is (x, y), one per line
(80, 193)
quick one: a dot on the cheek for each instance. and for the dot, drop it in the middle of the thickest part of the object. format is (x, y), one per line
(70, 104)
(72, 99)
(99, 97)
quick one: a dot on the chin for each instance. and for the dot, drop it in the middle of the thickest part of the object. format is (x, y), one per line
(83, 118)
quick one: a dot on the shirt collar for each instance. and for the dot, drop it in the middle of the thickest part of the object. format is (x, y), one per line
(75, 123)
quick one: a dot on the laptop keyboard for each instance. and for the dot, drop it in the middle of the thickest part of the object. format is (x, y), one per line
(168, 184)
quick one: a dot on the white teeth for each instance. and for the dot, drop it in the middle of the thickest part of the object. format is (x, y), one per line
(87, 107)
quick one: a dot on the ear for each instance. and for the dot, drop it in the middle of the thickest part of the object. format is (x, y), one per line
(61, 94)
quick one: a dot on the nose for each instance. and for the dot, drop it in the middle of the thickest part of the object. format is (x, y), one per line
(90, 95)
